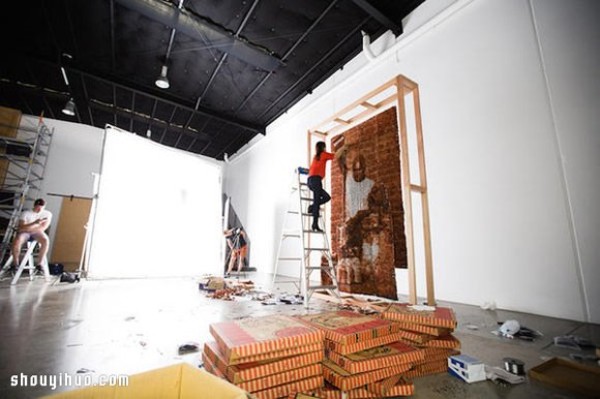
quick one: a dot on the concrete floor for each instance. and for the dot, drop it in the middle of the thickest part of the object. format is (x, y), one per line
(130, 326)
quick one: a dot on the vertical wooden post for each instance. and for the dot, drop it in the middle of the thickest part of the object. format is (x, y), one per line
(424, 201)
(406, 191)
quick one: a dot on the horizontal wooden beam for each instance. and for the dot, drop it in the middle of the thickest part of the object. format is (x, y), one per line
(420, 189)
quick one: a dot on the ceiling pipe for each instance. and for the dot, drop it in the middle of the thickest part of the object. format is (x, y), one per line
(185, 22)
(366, 41)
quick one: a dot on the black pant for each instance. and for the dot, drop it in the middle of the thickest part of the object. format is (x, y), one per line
(320, 196)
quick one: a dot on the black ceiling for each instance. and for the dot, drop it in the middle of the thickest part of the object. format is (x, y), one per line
(233, 66)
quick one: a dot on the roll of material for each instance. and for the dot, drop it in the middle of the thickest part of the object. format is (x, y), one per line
(514, 366)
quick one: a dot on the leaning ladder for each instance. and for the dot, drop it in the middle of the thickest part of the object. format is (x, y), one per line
(313, 244)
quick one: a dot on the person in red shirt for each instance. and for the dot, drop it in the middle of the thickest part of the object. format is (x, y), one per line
(316, 174)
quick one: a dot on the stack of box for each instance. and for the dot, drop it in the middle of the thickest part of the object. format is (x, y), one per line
(428, 328)
(267, 356)
(364, 355)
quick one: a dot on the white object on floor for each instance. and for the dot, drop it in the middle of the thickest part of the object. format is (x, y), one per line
(466, 368)
(497, 373)
(510, 328)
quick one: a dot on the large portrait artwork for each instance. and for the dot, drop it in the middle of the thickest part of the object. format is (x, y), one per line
(367, 217)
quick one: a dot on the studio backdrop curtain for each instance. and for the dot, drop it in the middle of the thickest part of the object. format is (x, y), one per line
(158, 212)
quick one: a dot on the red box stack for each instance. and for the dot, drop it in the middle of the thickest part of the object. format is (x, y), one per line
(267, 356)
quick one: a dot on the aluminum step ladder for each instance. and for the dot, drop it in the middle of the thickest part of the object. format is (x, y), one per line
(313, 243)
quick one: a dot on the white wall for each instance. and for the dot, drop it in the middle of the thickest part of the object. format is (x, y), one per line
(509, 97)
(74, 155)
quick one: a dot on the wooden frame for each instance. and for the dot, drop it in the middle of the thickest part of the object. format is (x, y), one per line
(393, 94)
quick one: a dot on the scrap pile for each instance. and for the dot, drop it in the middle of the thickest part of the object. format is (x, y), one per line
(267, 356)
(225, 289)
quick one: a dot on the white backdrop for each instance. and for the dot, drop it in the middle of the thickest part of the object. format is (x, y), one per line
(158, 211)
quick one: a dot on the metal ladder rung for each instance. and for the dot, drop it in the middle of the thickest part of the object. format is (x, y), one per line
(300, 191)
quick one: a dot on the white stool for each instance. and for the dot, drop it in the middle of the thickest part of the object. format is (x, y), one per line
(27, 264)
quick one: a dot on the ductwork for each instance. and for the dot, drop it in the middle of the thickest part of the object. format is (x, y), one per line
(197, 28)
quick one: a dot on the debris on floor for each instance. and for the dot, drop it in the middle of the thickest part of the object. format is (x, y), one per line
(501, 376)
(68, 277)
(513, 329)
(291, 299)
(211, 283)
(573, 342)
(489, 305)
(188, 347)
(84, 371)
(227, 289)
(269, 301)
(514, 366)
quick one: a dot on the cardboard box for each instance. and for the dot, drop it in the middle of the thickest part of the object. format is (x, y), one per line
(393, 386)
(287, 377)
(377, 358)
(347, 327)
(421, 370)
(420, 328)
(361, 346)
(403, 388)
(210, 350)
(306, 385)
(239, 340)
(447, 342)
(569, 375)
(404, 312)
(251, 371)
(345, 381)
(180, 381)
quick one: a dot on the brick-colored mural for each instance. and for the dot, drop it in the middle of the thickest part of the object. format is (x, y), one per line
(367, 216)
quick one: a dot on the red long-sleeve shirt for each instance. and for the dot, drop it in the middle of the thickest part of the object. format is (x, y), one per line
(317, 167)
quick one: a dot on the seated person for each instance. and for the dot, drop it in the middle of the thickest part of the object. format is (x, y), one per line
(32, 225)
(236, 239)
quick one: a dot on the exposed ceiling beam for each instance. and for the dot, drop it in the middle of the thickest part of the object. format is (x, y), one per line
(164, 98)
(313, 67)
(379, 16)
(162, 136)
(224, 56)
(87, 99)
(287, 54)
(113, 60)
(189, 24)
(145, 119)
(34, 79)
